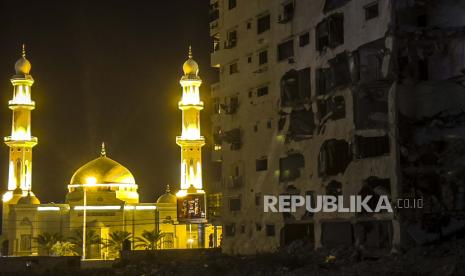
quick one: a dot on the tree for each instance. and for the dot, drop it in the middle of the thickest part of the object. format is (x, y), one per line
(64, 248)
(116, 241)
(92, 238)
(46, 241)
(150, 240)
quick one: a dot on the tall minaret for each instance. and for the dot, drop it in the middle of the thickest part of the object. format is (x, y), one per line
(191, 141)
(21, 142)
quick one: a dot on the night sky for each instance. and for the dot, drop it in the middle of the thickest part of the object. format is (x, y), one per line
(104, 71)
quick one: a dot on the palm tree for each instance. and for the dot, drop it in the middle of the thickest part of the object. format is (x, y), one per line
(47, 240)
(116, 241)
(150, 240)
(91, 239)
(64, 248)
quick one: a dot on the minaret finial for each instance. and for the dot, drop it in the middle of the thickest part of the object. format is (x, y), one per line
(24, 51)
(102, 151)
(168, 190)
(190, 52)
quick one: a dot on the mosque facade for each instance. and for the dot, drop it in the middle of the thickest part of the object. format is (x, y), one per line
(103, 194)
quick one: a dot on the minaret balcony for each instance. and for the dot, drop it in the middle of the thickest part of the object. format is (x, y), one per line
(13, 104)
(190, 141)
(26, 141)
(186, 105)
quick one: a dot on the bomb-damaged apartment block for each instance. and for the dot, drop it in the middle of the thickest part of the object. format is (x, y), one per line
(338, 97)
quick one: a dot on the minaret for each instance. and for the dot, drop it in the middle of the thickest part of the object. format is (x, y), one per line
(191, 141)
(21, 142)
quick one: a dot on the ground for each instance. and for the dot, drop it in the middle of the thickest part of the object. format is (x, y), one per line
(444, 259)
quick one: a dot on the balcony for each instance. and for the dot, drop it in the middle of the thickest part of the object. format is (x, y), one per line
(235, 181)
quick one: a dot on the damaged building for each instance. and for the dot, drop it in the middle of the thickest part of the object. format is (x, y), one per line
(338, 97)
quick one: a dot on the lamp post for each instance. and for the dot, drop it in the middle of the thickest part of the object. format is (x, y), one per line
(89, 182)
(84, 224)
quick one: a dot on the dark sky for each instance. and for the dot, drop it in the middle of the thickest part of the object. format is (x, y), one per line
(104, 71)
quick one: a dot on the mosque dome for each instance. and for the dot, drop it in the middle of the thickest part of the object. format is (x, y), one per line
(102, 170)
(28, 200)
(22, 65)
(190, 67)
(167, 197)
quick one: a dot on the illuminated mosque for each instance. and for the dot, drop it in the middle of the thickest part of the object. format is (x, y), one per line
(103, 194)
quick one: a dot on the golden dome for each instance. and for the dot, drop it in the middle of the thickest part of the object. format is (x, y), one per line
(102, 170)
(29, 199)
(190, 67)
(23, 66)
(168, 197)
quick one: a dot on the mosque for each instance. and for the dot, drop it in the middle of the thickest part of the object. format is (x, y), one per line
(103, 194)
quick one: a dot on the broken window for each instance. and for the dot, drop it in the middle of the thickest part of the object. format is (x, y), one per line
(270, 230)
(297, 232)
(217, 136)
(234, 204)
(261, 164)
(331, 108)
(334, 157)
(333, 4)
(231, 4)
(286, 50)
(231, 105)
(366, 147)
(367, 62)
(339, 108)
(338, 74)
(262, 57)
(263, 23)
(374, 234)
(371, 105)
(216, 106)
(330, 32)
(231, 40)
(288, 12)
(262, 91)
(375, 187)
(236, 172)
(334, 188)
(301, 125)
(230, 229)
(233, 69)
(295, 87)
(214, 12)
(335, 234)
(289, 167)
(234, 138)
(304, 39)
(371, 10)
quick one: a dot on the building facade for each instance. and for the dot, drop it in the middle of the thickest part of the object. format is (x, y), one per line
(311, 100)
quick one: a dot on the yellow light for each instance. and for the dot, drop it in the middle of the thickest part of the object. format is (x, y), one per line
(7, 196)
(102, 185)
(48, 208)
(217, 147)
(91, 180)
(181, 193)
(190, 241)
(108, 207)
(20, 134)
(146, 207)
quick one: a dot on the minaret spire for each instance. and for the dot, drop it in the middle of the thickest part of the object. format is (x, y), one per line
(21, 141)
(102, 150)
(191, 141)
